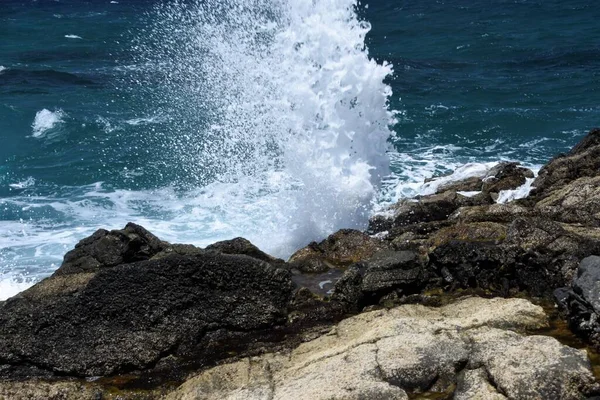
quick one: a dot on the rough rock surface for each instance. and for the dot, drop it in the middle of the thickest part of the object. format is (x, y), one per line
(340, 249)
(97, 319)
(582, 161)
(577, 202)
(243, 246)
(581, 301)
(124, 301)
(387, 354)
(532, 245)
(106, 249)
(430, 208)
(505, 176)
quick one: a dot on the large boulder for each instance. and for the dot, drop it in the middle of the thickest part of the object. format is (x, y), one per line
(99, 315)
(582, 161)
(108, 249)
(473, 345)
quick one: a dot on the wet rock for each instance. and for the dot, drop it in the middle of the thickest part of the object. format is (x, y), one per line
(195, 308)
(582, 161)
(243, 246)
(345, 247)
(106, 249)
(348, 289)
(437, 207)
(505, 176)
(389, 270)
(306, 309)
(581, 302)
(387, 354)
(468, 264)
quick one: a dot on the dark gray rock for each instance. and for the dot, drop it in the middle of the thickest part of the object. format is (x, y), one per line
(243, 246)
(388, 270)
(432, 208)
(107, 249)
(192, 309)
(581, 301)
(587, 283)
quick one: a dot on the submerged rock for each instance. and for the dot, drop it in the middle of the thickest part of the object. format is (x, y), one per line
(410, 349)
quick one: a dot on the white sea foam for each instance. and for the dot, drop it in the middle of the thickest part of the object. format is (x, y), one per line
(2, 69)
(73, 37)
(522, 191)
(45, 120)
(279, 106)
(11, 285)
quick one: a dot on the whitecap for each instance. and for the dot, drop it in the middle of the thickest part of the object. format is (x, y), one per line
(2, 69)
(46, 120)
(73, 37)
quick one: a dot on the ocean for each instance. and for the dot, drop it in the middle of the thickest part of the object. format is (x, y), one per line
(277, 120)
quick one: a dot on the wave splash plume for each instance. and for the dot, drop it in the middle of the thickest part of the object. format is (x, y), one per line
(275, 108)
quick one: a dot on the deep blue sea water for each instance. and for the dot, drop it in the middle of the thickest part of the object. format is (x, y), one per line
(205, 120)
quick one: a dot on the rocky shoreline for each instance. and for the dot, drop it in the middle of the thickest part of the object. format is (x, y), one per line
(440, 298)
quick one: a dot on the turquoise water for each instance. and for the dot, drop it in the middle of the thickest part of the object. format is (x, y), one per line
(268, 119)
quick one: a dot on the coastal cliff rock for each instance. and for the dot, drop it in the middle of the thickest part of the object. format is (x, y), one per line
(582, 161)
(470, 345)
(128, 307)
(101, 319)
(581, 301)
(532, 245)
